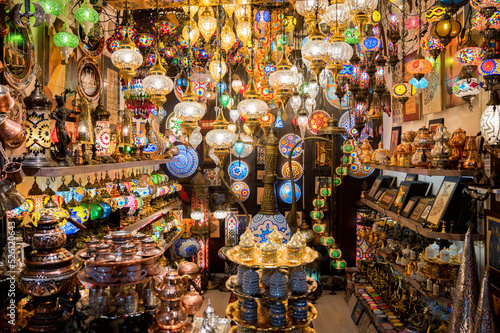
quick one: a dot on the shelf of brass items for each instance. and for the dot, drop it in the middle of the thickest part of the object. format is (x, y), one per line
(145, 221)
(413, 282)
(424, 172)
(262, 324)
(75, 170)
(417, 226)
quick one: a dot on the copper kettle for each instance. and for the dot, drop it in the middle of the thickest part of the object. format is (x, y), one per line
(171, 288)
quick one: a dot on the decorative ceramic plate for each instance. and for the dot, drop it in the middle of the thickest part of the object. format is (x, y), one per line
(241, 190)
(174, 124)
(318, 120)
(185, 164)
(247, 140)
(286, 144)
(296, 170)
(286, 193)
(238, 170)
(347, 121)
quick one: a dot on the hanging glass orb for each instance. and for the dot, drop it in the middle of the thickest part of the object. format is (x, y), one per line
(243, 12)
(308, 8)
(340, 52)
(144, 39)
(252, 109)
(319, 202)
(207, 24)
(221, 138)
(470, 56)
(490, 70)
(87, 16)
(284, 80)
(433, 45)
(227, 37)
(319, 228)
(361, 6)
(370, 44)
(52, 10)
(402, 92)
(190, 33)
(189, 111)
(244, 31)
(327, 241)
(317, 49)
(336, 14)
(435, 13)
(66, 41)
(335, 253)
(157, 83)
(127, 59)
(316, 214)
(339, 264)
(467, 88)
(446, 29)
(351, 36)
(419, 66)
(218, 67)
(419, 84)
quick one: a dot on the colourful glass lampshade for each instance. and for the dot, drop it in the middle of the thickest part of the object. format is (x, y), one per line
(319, 228)
(327, 241)
(87, 16)
(470, 56)
(351, 36)
(419, 84)
(64, 192)
(239, 146)
(66, 41)
(446, 29)
(435, 13)
(52, 9)
(489, 67)
(419, 66)
(403, 91)
(370, 43)
(339, 264)
(433, 45)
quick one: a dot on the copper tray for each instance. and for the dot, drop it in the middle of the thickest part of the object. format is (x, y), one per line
(81, 255)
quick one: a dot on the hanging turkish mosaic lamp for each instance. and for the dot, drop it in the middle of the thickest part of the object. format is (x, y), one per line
(102, 133)
(402, 92)
(446, 29)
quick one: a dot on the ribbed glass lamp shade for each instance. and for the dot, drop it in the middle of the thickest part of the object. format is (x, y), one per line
(189, 111)
(316, 50)
(207, 24)
(490, 124)
(126, 58)
(284, 79)
(227, 37)
(243, 12)
(361, 6)
(244, 31)
(336, 14)
(157, 83)
(221, 138)
(197, 215)
(66, 41)
(190, 32)
(252, 109)
(87, 16)
(340, 52)
(220, 214)
(217, 67)
(309, 7)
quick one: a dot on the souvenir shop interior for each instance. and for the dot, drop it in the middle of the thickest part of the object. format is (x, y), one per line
(250, 166)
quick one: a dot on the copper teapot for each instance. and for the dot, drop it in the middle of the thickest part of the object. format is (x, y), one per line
(171, 288)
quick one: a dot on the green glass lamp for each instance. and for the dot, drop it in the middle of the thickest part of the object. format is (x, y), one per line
(66, 41)
(52, 10)
(87, 16)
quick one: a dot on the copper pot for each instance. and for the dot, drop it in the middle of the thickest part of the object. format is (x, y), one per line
(6, 101)
(10, 131)
(120, 238)
(171, 288)
(471, 160)
(10, 198)
(48, 235)
(192, 302)
(14, 172)
(170, 316)
(188, 268)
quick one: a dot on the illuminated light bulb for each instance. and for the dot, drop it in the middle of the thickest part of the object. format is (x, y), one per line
(196, 138)
(190, 10)
(243, 12)
(236, 84)
(217, 67)
(197, 215)
(239, 146)
(310, 104)
(234, 115)
(313, 89)
(232, 127)
(295, 102)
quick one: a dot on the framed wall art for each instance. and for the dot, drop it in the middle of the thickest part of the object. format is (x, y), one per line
(408, 208)
(411, 177)
(322, 156)
(395, 138)
(419, 207)
(375, 187)
(426, 211)
(260, 174)
(89, 79)
(493, 239)
(388, 198)
(442, 200)
(111, 94)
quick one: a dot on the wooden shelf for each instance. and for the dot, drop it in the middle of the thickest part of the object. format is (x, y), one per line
(145, 221)
(75, 170)
(424, 172)
(417, 226)
(413, 282)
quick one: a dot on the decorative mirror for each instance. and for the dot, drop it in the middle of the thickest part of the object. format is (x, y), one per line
(18, 56)
(89, 79)
(93, 43)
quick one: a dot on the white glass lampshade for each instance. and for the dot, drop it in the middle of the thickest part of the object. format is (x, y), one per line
(197, 215)
(309, 7)
(490, 124)
(252, 109)
(340, 52)
(243, 12)
(295, 102)
(467, 88)
(336, 14)
(220, 214)
(284, 79)
(189, 111)
(207, 24)
(221, 138)
(190, 32)
(316, 50)
(217, 67)
(234, 115)
(302, 121)
(227, 38)
(126, 59)
(196, 138)
(310, 104)
(361, 6)
(237, 84)
(157, 83)
(244, 31)
(312, 89)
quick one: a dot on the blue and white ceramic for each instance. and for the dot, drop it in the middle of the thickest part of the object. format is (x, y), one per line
(186, 247)
(286, 193)
(238, 170)
(262, 225)
(185, 163)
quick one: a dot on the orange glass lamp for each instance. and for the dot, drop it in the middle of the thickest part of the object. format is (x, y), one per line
(419, 66)
(446, 29)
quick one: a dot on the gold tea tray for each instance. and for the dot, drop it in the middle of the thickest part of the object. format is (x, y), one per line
(282, 258)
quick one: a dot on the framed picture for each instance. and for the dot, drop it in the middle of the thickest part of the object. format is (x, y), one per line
(401, 196)
(395, 138)
(426, 211)
(493, 239)
(19, 55)
(260, 174)
(111, 94)
(375, 187)
(419, 207)
(388, 198)
(411, 177)
(442, 200)
(379, 194)
(260, 193)
(433, 125)
(357, 312)
(322, 158)
(409, 206)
